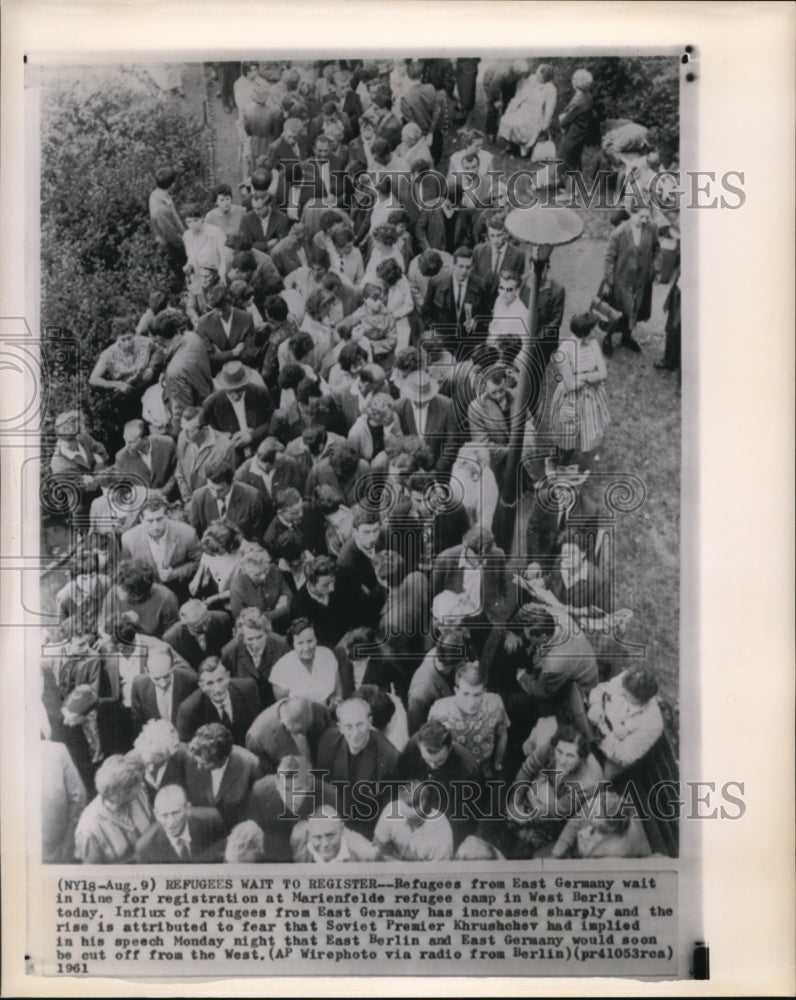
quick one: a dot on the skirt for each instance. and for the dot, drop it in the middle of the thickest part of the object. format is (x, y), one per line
(578, 418)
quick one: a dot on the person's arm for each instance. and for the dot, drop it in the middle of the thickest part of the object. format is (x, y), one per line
(610, 257)
(421, 235)
(98, 381)
(188, 567)
(638, 740)
(568, 838)
(180, 397)
(403, 304)
(501, 742)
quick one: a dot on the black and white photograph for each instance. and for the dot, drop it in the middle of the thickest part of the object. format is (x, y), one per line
(361, 479)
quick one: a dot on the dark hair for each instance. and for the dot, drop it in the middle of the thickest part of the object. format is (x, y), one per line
(307, 389)
(297, 626)
(220, 189)
(218, 471)
(290, 376)
(384, 185)
(191, 210)
(245, 261)
(407, 360)
(463, 252)
(538, 621)
(155, 503)
(390, 566)
(318, 302)
(380, 148)
(319, 257)
(193, 413)
(349, 354)
(430, 263)
(212, 744)
(567, 733)
(260, 180)
(389, 271)
(276, 309)
(382, 97)
(301, 343)
(329, 218)
(342, 236)
(85, 563)
(479, 539)
(327, 499)
(434, 736)
(168, 323)
(382, 707)
(320, 566)
(289, 545)
(165, 177)
(641, 684)
(398, 216)
(343, 459)
(136, 579)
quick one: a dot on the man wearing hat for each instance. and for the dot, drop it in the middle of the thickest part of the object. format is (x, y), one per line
(227, 332)
(77, 456)
(240, 407)
(423, 412)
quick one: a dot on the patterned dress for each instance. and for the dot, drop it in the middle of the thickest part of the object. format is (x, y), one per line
(578, 417)
(475, 732)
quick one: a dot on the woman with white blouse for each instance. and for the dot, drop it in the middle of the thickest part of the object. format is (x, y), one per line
(308, 670)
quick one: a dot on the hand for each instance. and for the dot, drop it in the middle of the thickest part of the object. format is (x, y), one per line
(238, 349)
(469, 325)
(241, 438)
(512, 642)
(123, 387)
(281, 603)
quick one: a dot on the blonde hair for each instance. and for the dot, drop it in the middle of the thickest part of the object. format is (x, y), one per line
(582, 79)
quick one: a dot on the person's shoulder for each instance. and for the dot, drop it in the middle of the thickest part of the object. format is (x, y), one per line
(245, 758)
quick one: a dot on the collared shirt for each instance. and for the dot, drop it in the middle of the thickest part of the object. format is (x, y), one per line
(157, 547)
(129, 669)
(420, 414)
(217, 775)
(226, 326)
(471, 581)
(226, 706)
(72, 454)
(267, 476)
(179, 843)
(154, 778)
(239, 406)
(164, 701)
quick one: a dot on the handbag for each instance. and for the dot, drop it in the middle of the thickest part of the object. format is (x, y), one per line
(545, 149)
(601, 309)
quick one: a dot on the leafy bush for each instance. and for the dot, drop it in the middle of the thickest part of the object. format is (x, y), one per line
(103, 137)
(644, 89)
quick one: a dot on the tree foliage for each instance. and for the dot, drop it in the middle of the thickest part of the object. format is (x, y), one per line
(100, 147)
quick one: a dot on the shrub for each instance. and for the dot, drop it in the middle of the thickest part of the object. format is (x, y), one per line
(103, 135)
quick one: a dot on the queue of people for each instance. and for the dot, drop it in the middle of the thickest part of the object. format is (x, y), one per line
(290, 632)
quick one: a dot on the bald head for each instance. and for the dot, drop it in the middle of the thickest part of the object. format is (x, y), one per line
(171, 810)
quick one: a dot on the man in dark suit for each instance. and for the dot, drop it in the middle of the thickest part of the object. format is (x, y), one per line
(180, 834)
(292, 251)
(224, 497)
(422, 412)
(270, 471)
(147, 459)
(227, 332)
(199, 633)
(264, 226)
(240, 408)
(352, 751)
(220, 774)
(159, 693)
(356, 575)
(323, 176)
(187, 380)
(234, 703)
(169, 547)
(457, 305)
(477, 570)
(291, 726)
(496, 255)
(559, 504)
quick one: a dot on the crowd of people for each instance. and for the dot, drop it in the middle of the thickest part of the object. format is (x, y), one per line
(299, 624)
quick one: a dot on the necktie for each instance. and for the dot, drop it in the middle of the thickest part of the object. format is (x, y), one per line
(222, 508)
(225, 719)
(497, 253)
(459, 297)
(183, 851)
